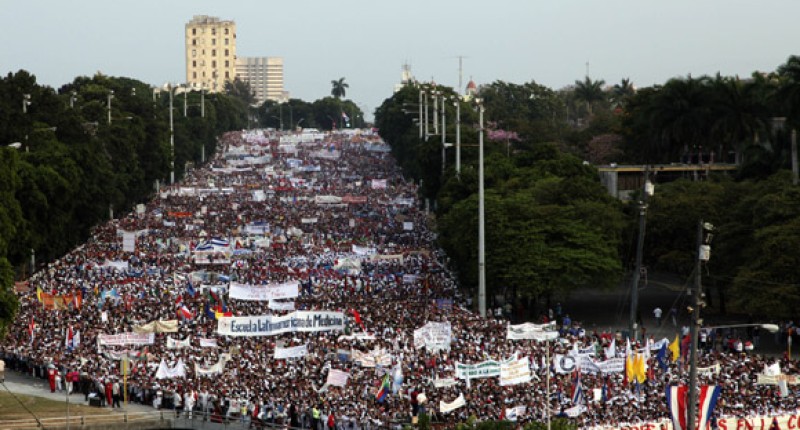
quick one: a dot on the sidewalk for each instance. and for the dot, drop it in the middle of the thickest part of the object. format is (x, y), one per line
(19, 383)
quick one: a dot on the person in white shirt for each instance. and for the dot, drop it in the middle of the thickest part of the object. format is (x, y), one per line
(657, 314)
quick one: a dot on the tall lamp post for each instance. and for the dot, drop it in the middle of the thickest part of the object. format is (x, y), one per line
(481, 215)
(26, 101)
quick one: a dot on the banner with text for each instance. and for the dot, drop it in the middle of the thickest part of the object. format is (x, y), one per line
(269, 325)
(273, 291)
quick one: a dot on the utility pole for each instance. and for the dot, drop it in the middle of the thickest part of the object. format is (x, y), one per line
(419, 122)
(481, 216)
(435, 112)
(171, 140)
(634, 326)
(444, 136)
(794, 158)
(457, 103)
(425, 101)
(694, 325)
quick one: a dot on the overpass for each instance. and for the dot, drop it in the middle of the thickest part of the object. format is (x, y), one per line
(622, 180)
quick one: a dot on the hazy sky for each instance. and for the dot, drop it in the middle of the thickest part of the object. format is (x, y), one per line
(549, 41)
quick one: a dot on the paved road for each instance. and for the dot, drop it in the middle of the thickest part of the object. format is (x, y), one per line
(25, 384)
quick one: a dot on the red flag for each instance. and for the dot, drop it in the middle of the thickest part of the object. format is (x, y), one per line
(31, 328)
(357, 317)
(77, 299)
(184, 312)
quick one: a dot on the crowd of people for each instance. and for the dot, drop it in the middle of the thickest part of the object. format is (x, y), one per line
(332, 212)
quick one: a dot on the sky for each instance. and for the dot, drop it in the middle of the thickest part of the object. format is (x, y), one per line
(367, 42)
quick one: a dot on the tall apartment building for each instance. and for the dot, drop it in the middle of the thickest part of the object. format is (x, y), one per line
(210, 52)
(265, 75)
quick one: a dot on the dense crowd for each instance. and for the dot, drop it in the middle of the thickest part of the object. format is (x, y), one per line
(367, 253)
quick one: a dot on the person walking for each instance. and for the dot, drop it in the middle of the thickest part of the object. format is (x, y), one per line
(115, 394)
(657, 314)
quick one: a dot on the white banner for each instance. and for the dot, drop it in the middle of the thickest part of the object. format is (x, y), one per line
(207, 343)
(455, 404)
(365, 337)
(215, 369)
(372, 358)
(292, 352)
(434, 336)
(513, 413)
(364, 250)
(444, 383)
(126, 339)
(379, 184)
(178, 344)
(337, 378)
(515, 372)
(129, 241)
(268, 325)
(272, 291)
(165, 372)
(280, 306)
(408, 226)
(530, 331)
(485, 369)
(612, 365)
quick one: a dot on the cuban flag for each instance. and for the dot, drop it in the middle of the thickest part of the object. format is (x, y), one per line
(69, 341)
(577, 390)
(219, 242)
(676, 403)
(345, 119)
(709, 394)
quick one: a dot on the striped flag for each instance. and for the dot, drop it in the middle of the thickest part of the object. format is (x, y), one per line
(577, 390)
(709, 394)
(676, 403)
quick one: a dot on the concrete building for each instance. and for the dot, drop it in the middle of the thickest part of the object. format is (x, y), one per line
(210, 52)
(265, 75)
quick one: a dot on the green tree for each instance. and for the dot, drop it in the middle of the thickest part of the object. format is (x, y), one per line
(590, 92)
(339, 88)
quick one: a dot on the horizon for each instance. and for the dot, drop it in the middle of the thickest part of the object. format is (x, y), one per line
(512, 43)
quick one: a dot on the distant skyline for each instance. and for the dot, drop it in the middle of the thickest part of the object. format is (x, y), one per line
(367, 42)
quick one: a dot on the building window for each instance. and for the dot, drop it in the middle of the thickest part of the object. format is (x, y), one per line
(214, 64)
(226, 51)
(194, 63)
(213, 52)
(227, 75)
(194, 42)
(213, 31)
(204, 74)
(226, 31)
(227, 64)
(194, 53)
(213, 41)
(194, 75)
(226, 40)
(194, 32)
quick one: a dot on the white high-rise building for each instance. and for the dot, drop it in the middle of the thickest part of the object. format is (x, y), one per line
(265, 76)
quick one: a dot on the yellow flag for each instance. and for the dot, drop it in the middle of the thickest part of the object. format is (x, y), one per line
(641, 372)
(675, 349)
(39, 294)
(630, 373)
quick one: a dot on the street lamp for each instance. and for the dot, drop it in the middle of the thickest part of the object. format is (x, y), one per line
(298, 123)
(26, 101)
(72, 97)
(481, 215)
(169, 87)
(110, 96)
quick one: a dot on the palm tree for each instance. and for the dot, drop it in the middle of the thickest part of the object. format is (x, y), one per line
(339, 87)
(622, 91)
(680, 116)
(590, 91)
(740, 111)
